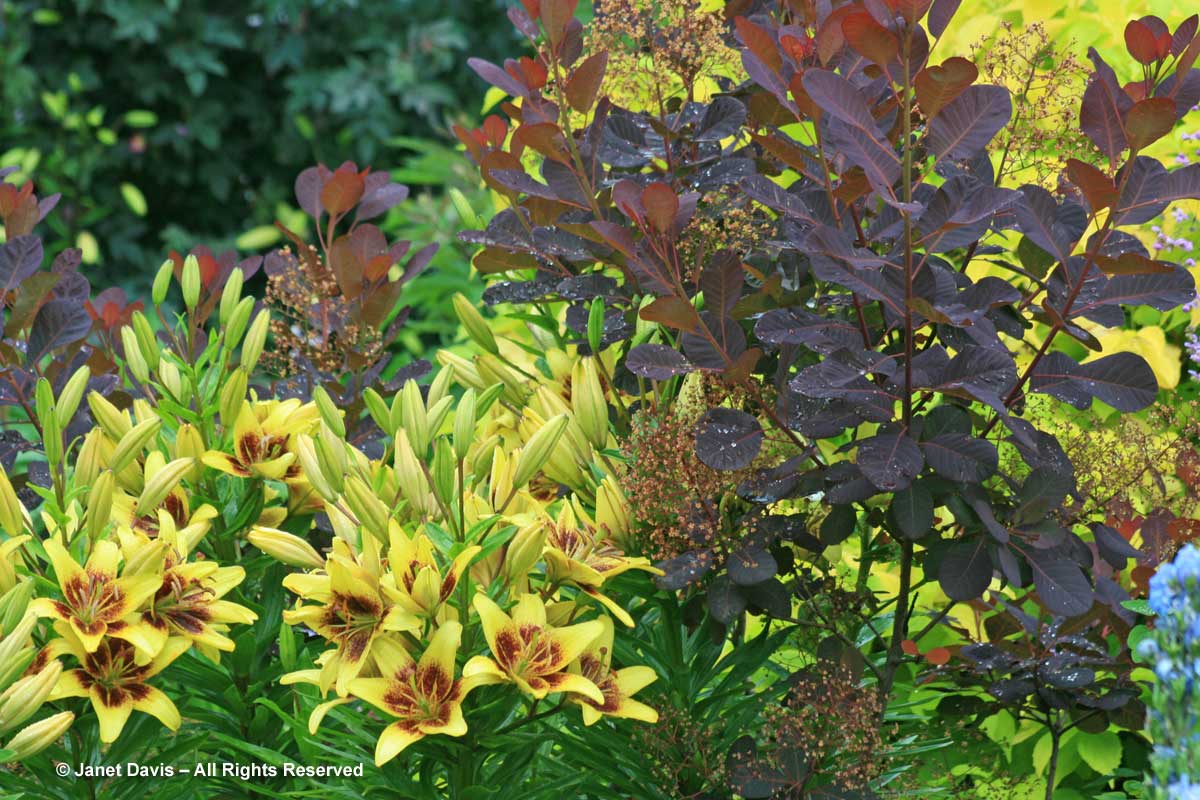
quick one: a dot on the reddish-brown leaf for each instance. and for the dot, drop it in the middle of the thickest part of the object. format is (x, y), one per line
(555, 16)
(1132, 264)
(343, 190)
(830, 39)
(938, 85)
(910, 647)
(1187, 467)
(759, 42)
(1188, 59)
(584, 83)
(869, 38)
(911, 10)
(661, 204)
(1141, 42)
(938, 656)
(1097, 187)
(672, 312)
(495, 129)
(544, 137)
(1148, 121)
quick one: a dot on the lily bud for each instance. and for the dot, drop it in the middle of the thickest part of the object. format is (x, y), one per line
(331, 454)
(133, 355)
(92, 457)
(12, 516)
(439, 387)
(474, 324)
(190, 444)
(52, 439)
(612, 510)
(409, 474)
(379, 411)
(524, 551)
(256, 339)
(372, 514)
(306, 454)
(588, 403)
(72, 395)
(162, 282)
(464, 371)
(493, 370)
(595, 326)
(538, 449)
(442, 471)
(14, 604)
(233, 395)
(43, 399)
(170, 377)
(37, 737)
(231, 295)
(19, 701)
(133, 443)
(147, 343)
(330, 413)
(8, 573)
(413, 417)
(15, 641)
(114, 421)
(464, 424)
(99, 505)
(285, 547)
(239, 318)
(162, 482)
(190, 281)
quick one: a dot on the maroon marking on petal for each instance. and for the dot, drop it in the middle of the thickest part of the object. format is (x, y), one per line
(448, 585)
(508, 648)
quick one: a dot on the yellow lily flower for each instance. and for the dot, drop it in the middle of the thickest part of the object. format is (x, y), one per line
(576, 554)
(352, 612)
(95, 601)
(415, 582)
(617, 686)
(530, 652)
(262, 436)
(111, 678)
(423, 695)
(188, 601)
(126, 513)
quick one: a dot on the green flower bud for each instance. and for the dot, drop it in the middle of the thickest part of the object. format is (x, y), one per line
(43, 399)
(239, 318)
(231, 295)
(133, 443)
(372, 514)
(310, 464)
(19, 701)
(99, 505)
(161, 483)
(113, 420)
(595, 326)
(588, 402)
(147, 343)
(464, 424)
(474, 323)
(285, 547)
(11, 517)
(233, 395)
(537, 451)
(378, 409)
(72, 395)
(331, 415)
(191, 282)
(256, 339)
(133, 355)
(37, 737)
(14, 604)
(442, 471)
(413, 418)
(162, 282)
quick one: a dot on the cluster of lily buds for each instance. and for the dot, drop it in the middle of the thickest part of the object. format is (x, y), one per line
(489, 524)
(26, 681)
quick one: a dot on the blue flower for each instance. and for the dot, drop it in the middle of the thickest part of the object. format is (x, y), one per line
(1183, 789)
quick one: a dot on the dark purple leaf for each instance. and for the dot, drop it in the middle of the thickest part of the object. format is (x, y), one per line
(1061, 584)
(912, 510)
(58, 323)
(838, 524)
(20, 257)
(308, 191)
(966, 569)
(890, 460)
(1162, 291)
(960, 457)
(657, 362)
(966, 125)
(728, 439)
(1122, 380)
(1103, 107)
(748, 566)
(725, 600)
(380, 200)
(497, 77)
(1113, 547)
(940, 14)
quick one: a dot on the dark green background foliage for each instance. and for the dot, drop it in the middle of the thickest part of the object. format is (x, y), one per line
(210, 109)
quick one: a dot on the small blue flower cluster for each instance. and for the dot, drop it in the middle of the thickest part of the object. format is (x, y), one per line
(1174, 714)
